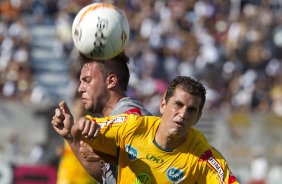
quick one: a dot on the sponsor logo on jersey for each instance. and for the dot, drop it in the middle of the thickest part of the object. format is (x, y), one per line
(153, 158)
(232, 178)
(143, 178)
(102, 125)
(214, 163)
(207, 156)
(119, 119)
(131, 152)
(175, 175)
(116, 120)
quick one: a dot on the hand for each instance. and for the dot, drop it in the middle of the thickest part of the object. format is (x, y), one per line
(62, 121)
(88, 153)
(87, 128)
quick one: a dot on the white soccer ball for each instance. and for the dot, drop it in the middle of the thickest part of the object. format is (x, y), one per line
(100, 31)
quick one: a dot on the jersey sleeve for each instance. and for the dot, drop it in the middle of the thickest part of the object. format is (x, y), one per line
(215, 169)
(112, 130)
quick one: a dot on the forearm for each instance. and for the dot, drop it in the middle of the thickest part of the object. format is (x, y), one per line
(107, 158)
(92, 168)
(64, 125)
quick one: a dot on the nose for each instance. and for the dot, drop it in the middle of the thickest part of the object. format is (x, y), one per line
(80, 88)
(183, 113)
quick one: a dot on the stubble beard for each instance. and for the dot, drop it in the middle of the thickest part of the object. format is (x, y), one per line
(100, 104)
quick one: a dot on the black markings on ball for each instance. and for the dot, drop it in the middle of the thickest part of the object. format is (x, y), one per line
(100, 39)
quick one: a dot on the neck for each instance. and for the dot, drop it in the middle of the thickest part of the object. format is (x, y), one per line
(111, 103)
(166, 140)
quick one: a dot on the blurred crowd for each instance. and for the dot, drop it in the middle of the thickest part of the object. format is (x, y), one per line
(234, 47)
(15, 71)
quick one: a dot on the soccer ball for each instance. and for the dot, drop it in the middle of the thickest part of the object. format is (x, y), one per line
(100, 31)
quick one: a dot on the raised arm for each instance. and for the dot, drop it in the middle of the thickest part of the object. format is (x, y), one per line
(63, 124)
(62, 121)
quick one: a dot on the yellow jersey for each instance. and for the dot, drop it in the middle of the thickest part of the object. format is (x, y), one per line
(141, 160)
(70, 170)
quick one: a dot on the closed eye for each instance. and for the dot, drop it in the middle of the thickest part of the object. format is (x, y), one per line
(86, 79)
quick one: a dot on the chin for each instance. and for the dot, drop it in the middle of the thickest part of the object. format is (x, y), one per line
(87, 107)
(178, 132)
(173, 131)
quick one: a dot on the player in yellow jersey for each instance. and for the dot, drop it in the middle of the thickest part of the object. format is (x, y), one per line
(164, 149)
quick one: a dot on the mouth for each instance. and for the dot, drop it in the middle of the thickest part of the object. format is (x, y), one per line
(179, 123)
(84, 100)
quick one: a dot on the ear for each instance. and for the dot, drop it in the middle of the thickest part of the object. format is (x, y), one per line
(162, 105)
(111, 81)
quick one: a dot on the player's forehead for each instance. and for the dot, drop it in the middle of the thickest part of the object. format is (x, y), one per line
(90, 69)
(182, 95)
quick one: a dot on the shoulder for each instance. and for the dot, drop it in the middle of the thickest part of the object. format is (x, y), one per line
(211, 160)
(202, 147)
(130, 105)
(142, 121)
(217, 166)
(199, 140)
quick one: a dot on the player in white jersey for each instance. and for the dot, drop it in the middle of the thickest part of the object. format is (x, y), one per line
(103, 86)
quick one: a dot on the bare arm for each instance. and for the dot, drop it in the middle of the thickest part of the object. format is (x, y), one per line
(63, 124)
(91, 155)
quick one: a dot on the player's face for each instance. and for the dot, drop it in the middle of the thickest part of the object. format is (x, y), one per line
(93, 88)
(180, 112)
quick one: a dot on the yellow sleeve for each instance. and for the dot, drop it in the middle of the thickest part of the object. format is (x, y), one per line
(216, 169)
(112, 130)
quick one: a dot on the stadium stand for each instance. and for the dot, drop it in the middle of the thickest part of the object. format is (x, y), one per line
(234, 47)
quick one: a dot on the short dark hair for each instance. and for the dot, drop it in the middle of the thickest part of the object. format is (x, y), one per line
(117, 66)
(188, 84)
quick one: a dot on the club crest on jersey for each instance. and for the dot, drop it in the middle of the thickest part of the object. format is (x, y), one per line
(175, 175)
(143, 178)
(131, 152)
